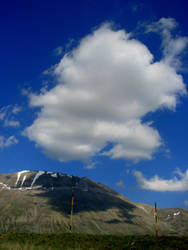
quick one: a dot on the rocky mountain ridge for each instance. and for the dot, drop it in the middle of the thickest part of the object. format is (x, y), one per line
(27, 179)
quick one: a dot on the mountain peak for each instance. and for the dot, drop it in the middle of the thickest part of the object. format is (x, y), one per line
(30, 179)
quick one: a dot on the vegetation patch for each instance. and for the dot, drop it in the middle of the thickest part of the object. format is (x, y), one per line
(33, 241)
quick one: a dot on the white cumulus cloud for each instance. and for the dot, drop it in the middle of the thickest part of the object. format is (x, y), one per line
(104, 88)
(158, 184)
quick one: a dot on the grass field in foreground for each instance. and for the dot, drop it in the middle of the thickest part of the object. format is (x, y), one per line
(30, 241)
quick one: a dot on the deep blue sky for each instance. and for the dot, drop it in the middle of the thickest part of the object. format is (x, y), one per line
(31, 32)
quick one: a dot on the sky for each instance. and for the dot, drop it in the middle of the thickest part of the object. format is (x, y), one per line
(97, 89)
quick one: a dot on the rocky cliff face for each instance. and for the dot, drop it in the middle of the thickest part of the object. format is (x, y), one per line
(40, 201)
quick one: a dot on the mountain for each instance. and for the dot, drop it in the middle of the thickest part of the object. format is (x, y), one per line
(40, 201)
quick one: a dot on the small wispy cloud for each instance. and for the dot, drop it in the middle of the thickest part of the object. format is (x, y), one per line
(120, 184)
(178, 183)
(2, 115)
(136, 7)
(171, 46)
(127, 171)
(25, 91)
(8, 115)
(11, 123)
(58, 51)
(91, 165)
(186, 203)
(6, 142)
(16, 109)
(49, 71)
(8, 119)
(3, 112)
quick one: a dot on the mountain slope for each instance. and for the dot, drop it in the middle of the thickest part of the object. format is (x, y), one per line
(38, 201)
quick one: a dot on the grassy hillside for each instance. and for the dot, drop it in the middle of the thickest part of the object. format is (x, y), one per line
(80, 241)
(45, 208)
(94, 213)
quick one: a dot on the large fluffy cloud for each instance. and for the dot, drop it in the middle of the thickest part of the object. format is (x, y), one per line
(104, 88)
(158, 184)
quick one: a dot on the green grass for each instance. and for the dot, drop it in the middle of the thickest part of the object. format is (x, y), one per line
(31, 241)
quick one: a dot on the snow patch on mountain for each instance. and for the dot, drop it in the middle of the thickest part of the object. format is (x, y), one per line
(23, 180)
(4, 185)
(19, 174)
(54, 175)
(175, 214)
(36, 177)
